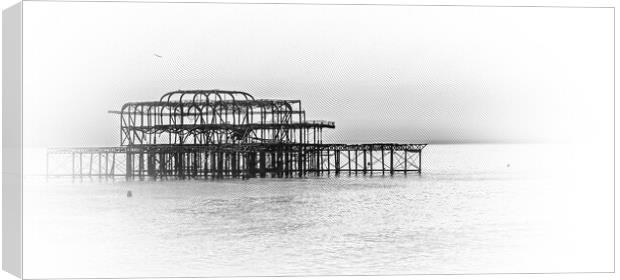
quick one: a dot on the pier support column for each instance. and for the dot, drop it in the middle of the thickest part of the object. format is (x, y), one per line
(213, 156)
(150, 165)
(301, 162)
(141, 165)
(107, 171)
(73, 164)
(406, 160)
(337, 161)
(392, 161)
(420, 161)
(220, 165)
(365, 162)
(262, 165)
(357, 165)
(319, 161)
(233, 164)
(287, 164)
(382, 161)
(251, 164)
(180, 162)
(128, 165)
(205, 171)
(349, 160)
(113, 167)
(278, 163)
(371, 162)
(162, 165)
(272, 164)
(328, 162)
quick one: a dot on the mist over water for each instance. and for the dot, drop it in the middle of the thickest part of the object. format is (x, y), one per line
(474, 209)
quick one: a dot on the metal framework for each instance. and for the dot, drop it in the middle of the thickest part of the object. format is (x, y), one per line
(228, 134)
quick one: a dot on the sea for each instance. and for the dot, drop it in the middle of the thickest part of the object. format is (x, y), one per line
(475, 208)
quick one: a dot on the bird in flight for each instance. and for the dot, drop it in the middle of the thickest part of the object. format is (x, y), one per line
(157, 55)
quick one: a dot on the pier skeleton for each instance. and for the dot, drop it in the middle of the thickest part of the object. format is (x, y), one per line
(227, 134)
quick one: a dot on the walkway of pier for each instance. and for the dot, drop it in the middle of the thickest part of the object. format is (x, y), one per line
(235, 161)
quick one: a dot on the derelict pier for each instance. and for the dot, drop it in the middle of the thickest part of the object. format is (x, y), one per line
(227, 134)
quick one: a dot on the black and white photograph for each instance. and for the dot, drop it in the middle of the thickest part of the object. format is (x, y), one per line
(227, 139)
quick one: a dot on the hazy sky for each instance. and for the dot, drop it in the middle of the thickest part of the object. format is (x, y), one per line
(382, 73)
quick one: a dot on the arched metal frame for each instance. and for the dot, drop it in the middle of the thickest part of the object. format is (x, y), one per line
(215, 117)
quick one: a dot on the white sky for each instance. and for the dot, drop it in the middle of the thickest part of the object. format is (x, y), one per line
(383, 74)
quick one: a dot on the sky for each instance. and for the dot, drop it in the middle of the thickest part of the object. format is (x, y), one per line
(382, 73)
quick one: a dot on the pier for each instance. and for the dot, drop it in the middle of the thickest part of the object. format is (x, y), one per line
(220, 134)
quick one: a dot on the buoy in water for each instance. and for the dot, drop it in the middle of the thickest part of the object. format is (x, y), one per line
(129, 194)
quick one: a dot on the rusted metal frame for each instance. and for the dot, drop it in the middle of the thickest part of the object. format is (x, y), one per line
(288, 119)
(123, 132)
(136, 136)
(126, 112)
(415, 159)
(193, 131)
(151, 122)
(168, 96)
(210, 138)
(262, 121)
(399, 159)
(179, 135)
(344, 163)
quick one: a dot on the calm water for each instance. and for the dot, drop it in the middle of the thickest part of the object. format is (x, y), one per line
(475, 208)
